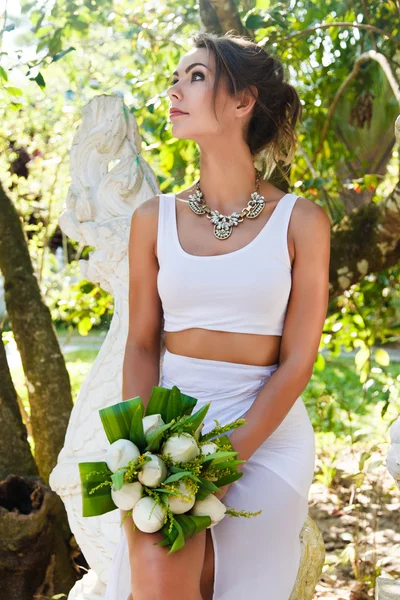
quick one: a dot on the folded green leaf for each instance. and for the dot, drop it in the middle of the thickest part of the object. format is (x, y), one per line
(136, 432)
(118, 479)
(191, 524)
(154, 438)
(117, 419)
(99, 501)
(180, 539)
(195, 420)
(169, 403)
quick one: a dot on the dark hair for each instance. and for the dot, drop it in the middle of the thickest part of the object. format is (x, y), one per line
(242, 63)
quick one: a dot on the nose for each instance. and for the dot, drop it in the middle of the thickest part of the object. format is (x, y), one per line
(174, 91)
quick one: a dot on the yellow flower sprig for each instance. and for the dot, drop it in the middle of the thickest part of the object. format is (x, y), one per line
(232, 512)
(220, 429)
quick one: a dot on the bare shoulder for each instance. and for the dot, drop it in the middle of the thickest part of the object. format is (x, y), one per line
(144, 222)
(147, 209)
(309, 217)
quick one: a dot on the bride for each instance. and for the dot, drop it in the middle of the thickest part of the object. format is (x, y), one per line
(238, 271)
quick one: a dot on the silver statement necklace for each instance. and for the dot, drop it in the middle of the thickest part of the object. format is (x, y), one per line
(223, 224)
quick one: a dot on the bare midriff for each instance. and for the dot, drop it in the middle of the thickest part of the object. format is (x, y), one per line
(244, 348)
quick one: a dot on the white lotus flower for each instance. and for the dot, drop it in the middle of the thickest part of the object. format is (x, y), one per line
(209, 448)
(181, 505)
(153, 472)
(127, 497)
(120, 453)
(151, 423)
(182, 447)
(141, 515)
(210, 507)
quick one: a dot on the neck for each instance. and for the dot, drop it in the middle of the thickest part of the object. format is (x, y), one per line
(227, 179)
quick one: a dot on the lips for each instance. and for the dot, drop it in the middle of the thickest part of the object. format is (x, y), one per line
(176, 111)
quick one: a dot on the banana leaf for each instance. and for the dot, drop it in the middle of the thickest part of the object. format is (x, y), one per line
(179, 540)
(117, 419)
(184, 527)
(169, 403)
(100, 501)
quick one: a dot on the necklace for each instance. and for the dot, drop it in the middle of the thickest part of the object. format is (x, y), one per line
(223, 224)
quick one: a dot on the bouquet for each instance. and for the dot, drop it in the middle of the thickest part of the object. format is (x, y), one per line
(161, 469)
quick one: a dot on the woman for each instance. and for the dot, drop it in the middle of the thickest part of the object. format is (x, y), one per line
(244, 301)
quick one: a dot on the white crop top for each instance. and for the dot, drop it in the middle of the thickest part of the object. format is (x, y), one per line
(244, 291)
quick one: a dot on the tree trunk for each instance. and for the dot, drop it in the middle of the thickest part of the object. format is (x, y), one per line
(47, 377)
(34, 554)
(18, 459)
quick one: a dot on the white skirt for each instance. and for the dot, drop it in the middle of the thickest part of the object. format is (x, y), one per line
(259, 557)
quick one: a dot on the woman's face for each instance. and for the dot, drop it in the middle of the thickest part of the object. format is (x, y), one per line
(191, 92)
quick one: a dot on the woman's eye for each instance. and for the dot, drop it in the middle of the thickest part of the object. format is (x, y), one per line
(174, 81)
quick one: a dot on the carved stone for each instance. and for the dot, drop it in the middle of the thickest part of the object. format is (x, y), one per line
(109, 180)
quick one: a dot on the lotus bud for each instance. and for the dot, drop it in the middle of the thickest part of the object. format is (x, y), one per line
(120, 453)
(209, 448)
(127, 497)
(182, 447)
(181, 505)
(151, 423)
(141, 515)
(153, 472)
(198, 431)
(210, 507)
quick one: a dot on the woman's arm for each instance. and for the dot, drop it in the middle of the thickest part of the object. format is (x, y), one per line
(141, 366)
(302, 331)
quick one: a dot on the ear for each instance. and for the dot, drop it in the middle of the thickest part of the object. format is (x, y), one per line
(246, 101)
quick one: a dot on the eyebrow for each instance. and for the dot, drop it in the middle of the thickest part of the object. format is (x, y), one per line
(191, 67)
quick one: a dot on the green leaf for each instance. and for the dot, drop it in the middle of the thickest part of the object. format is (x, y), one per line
(3, 74)
(180, 539)
(100, 501)
(229, 464)
(191, 525)
(136, 432)
(118, 479)
(206, 488)
(169, 403)
(195, 420)
(13, 91)
(227, 479)
(178, 476)
(382, 357)
(154, 438)
(117, 419)
(217, 457)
